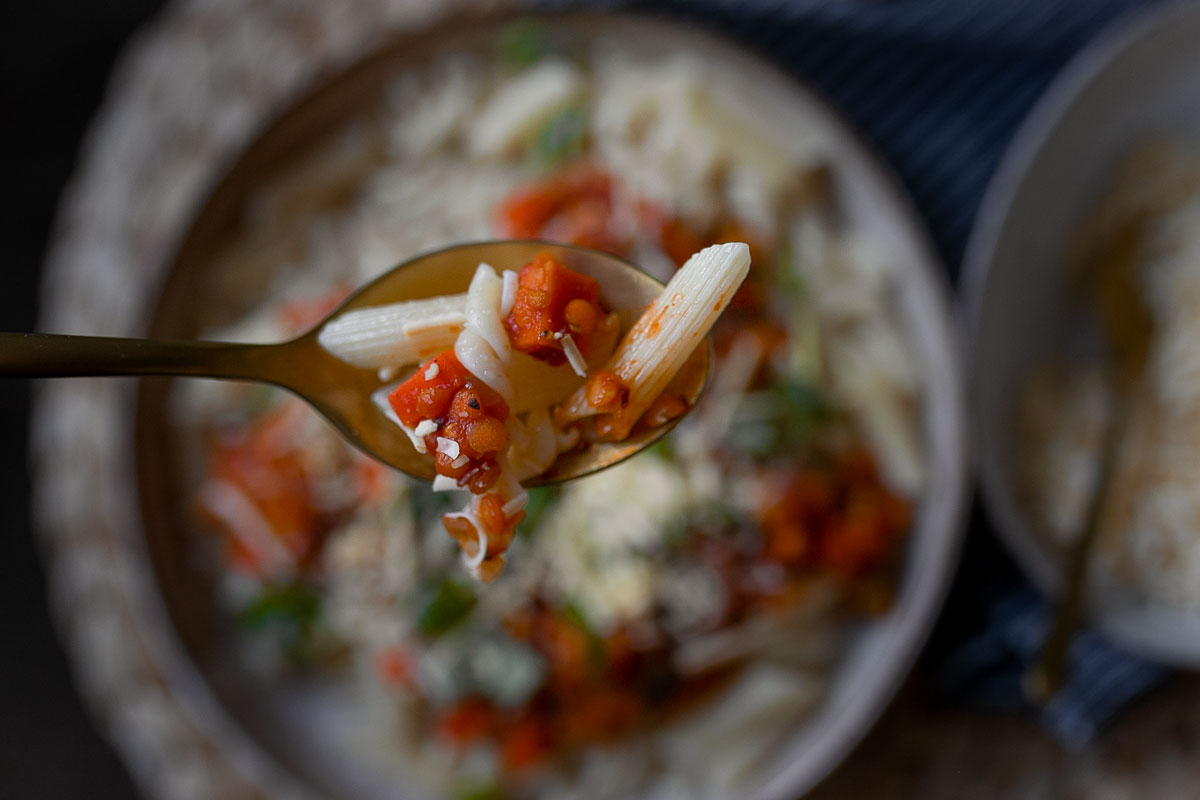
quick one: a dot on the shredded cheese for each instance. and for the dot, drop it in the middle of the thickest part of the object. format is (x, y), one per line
(574, 357)
(448, 446)
(473, 561)
(461, 461)
(516, 504)
(425, 427)
(433, 371)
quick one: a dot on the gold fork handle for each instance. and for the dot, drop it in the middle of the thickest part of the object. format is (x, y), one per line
(1048, 673)
(44, 355)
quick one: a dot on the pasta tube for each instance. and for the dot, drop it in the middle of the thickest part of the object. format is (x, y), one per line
(397, 334)
(667, 333)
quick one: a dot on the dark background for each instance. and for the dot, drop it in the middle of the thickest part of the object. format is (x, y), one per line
(55, 57)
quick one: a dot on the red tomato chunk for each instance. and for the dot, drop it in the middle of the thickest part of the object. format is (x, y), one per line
(552, 302)
(466, 410)
(574, 206)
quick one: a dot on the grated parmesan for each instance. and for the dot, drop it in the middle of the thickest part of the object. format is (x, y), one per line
(425, 427)
(449, 447)
(433, 371)
(461, 461)
(517, 503)
(576, 359)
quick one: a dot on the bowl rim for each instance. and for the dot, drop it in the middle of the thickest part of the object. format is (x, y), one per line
(1153, 632)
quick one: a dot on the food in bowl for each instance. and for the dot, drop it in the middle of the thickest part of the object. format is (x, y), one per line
(533, 370)
(661, 624)
(1139, 253)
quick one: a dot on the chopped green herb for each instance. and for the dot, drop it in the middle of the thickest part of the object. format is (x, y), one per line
(292, 609)
(479, 791)
(559, 139)
(795, 305)
(788, 276)
(522, 43)
(293, 602)
(662, 449)
(781, 419)
(540, 500)
(573, 614)
(449, 605)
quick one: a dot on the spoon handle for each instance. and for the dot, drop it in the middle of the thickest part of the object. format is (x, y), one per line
(1049, 672)
(44, 355)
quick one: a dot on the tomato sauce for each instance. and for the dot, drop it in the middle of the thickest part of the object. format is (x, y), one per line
(551, 302)
(466, 411)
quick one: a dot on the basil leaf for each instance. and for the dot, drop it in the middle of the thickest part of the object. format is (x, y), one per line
(450, 604)
(481, 791)
(559, 139)
(294, 603)
(522, 43)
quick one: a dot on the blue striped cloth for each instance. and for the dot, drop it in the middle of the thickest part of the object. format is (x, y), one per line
(939, 88)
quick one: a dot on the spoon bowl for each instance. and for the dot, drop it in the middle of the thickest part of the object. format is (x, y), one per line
(341, 392)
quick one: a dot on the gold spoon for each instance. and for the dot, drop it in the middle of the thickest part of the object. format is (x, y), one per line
(342, 392)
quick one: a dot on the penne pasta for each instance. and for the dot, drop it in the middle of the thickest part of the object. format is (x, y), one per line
(489, 407)
(483, 310)
(667, 333)
(397, 334)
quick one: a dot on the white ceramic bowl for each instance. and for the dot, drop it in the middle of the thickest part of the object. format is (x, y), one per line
(1141, 79)
(211, 727)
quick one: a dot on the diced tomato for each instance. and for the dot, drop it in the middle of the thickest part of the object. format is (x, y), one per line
(372, 481)
(602, 713)
(679, 241)
(788, 542)
(422, 397)
(606, 392)
(467, 721)
(865, 535)
(566, 649)
(553, 301)
(526, 743)
(395, 667)
(267, 471)
(475, 421)
(491, 514)
(466, 410)
(573, 206)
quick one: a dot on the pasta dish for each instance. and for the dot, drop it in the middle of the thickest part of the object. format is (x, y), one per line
(658, 626)
(461, 406)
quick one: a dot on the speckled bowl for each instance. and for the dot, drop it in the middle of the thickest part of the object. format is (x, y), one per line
(135, 246)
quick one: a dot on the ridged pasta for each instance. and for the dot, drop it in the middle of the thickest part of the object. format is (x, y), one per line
(397, 334)
(669, 331)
